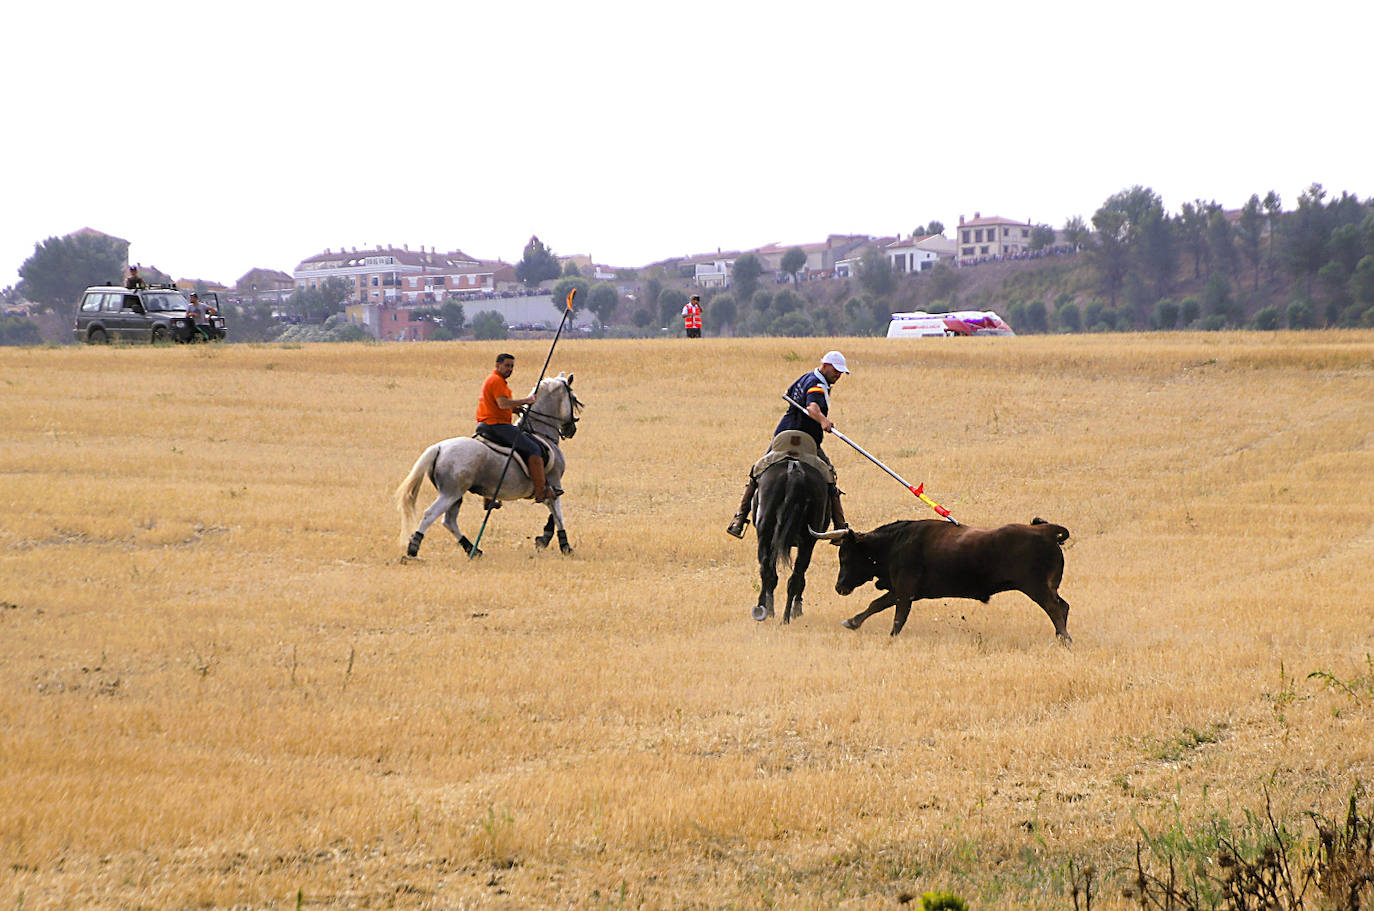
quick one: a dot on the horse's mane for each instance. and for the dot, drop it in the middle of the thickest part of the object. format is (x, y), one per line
(549, 382)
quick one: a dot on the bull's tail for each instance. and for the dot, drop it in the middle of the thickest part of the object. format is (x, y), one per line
(409, 490)
(1061, 534)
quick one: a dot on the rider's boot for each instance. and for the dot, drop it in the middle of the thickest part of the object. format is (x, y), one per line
(836, 508)
(742, 514)
(541, 492)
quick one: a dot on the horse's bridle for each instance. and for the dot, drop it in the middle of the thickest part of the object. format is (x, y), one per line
(555, 421)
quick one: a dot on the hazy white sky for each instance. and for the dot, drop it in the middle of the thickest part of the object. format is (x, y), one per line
(218, 138)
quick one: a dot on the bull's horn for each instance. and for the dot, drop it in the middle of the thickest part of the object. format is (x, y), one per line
(828, 535)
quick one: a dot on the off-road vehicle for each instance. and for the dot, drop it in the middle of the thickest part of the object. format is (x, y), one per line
(156, 313)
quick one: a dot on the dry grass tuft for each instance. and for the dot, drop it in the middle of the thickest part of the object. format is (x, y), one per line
(219, 685)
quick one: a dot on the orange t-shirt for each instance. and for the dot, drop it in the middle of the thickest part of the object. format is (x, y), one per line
(488, 412)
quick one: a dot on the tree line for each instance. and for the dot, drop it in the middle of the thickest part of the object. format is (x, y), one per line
(1138, 267)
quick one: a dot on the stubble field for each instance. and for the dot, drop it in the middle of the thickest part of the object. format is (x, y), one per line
(221, 687)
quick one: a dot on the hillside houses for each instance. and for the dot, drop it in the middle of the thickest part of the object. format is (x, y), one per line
(991, 237)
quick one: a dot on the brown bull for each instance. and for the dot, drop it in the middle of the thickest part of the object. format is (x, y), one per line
(913, 560)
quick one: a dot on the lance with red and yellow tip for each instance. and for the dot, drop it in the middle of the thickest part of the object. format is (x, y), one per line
(496, 493)
(918, 489)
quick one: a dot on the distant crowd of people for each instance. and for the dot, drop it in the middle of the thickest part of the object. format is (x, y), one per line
(1057, 250)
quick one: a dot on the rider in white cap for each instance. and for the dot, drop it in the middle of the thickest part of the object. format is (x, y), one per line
(811, 389)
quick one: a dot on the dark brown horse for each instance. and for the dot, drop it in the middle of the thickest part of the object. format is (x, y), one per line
(792, 498)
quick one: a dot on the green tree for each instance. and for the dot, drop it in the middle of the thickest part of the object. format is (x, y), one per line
(1041, 237)
(1110, 251)
(452, 316)
(1299, 314)
(1076, 232)
(1189, 309)
(793, 261)
(570, 270)
(1218, 301)
(1221, 241)
(19, 330)
(875, 273)
(1193, 229)
(670, 304)
(1362, 282)
(602, 300)
(489, 325)
(724, 312)
(794, 324)
(1267, 319)
(1157, 250)
(1250, 234)
(652, 288)
(335, 293)
(580, 302)
(1037, 320)
(536, 264)
(1273, 211)
(1305, 235)
(1068, 317)
(642, 318)
(62, 267)
(787, 300)
(1345, 246)
(1166, 314)
(935, 227)
(744, 276)
(1119, 223)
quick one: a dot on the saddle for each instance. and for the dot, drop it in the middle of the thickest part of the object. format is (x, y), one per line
(798, 446)
(516, 457)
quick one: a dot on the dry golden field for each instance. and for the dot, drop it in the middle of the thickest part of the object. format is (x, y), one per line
(221, 687)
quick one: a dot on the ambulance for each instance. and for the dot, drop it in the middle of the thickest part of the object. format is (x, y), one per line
(919, 324)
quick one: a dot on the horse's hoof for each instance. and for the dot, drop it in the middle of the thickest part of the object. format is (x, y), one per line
(849, 624)
(759, 613)
(565, 549)
(541, 543)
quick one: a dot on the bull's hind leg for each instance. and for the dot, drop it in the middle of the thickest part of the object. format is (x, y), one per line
(881, 603)
(1055, 607)
(900, 614)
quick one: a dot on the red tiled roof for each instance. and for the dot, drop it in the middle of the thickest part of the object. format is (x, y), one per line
(421, 258)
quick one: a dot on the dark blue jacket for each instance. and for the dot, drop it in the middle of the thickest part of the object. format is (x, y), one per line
(809, 387)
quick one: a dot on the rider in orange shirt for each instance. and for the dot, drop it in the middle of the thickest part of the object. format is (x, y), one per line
(495, 409)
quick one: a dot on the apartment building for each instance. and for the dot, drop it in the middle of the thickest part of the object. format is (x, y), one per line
(378, 276)
(991, 237)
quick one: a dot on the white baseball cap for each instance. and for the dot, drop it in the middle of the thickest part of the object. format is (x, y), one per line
(836, 360)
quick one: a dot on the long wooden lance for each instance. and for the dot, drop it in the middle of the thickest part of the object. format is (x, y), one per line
(918, 489)
(567, 312)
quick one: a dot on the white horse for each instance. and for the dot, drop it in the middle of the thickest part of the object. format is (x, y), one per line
(462, 464)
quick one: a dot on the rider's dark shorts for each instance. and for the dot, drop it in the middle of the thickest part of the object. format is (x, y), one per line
(510, 435)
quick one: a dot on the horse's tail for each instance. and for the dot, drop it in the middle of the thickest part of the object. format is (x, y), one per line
(792, 514)
(409, 490)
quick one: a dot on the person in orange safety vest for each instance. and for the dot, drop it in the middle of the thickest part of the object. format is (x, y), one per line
(691, 317)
